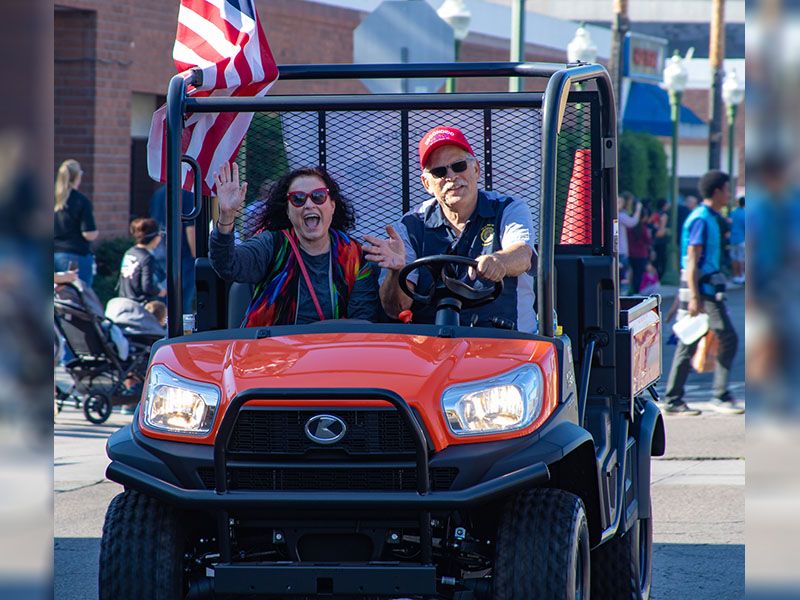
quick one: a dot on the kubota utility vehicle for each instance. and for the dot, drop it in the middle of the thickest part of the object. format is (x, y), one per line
(364, 460)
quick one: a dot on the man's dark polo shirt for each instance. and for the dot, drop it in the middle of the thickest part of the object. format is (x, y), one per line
(425, 232)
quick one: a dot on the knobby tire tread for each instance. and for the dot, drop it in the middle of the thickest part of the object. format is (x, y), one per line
(533, 549)
(141, 550)
(615, 568)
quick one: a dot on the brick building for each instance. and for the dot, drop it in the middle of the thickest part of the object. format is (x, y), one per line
(113, 61)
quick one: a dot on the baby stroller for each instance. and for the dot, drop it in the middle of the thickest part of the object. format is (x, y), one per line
(106, 353)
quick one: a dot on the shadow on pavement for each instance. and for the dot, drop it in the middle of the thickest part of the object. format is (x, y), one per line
(698, 571)
(75, 568)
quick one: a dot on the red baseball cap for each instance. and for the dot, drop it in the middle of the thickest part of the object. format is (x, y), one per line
(441, 136)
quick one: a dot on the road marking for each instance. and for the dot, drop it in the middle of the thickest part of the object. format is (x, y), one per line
(697, 472)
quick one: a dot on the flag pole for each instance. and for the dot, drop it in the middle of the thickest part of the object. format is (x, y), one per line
(174, 129)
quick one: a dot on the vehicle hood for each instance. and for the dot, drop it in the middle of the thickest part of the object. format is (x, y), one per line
(418, 368)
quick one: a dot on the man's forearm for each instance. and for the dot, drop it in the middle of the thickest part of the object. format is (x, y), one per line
(692, 283)
(393, 299)
(516, 258)
(691, 280)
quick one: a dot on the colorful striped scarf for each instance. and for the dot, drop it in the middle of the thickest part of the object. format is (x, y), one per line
(274, 301)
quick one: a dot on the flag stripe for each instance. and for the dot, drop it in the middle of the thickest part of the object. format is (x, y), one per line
(223, 38)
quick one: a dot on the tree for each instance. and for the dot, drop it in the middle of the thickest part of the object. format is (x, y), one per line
(642, 165)
(633, 165)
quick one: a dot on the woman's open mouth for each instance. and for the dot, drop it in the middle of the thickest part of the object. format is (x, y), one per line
(312, 221)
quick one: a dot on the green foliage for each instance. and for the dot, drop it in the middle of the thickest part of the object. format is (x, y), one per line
(108, 255)
(263, 156)
(642, 165)
(633, 172)
(658, 184)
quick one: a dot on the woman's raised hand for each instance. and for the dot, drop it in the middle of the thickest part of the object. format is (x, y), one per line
(230, 194)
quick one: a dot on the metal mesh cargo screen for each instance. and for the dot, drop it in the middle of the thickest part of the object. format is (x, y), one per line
(373, 156)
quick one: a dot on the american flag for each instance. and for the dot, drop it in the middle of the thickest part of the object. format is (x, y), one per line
(224, 39)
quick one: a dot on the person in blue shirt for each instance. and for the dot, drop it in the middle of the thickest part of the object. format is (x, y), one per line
(737, 242)
(702, 290)
(494, 229)
(158, 211)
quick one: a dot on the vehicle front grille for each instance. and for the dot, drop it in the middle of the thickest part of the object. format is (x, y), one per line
(370, 431)
(368, 479)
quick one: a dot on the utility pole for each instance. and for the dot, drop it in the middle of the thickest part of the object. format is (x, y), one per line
(517, 41)
(619, 27)
(716, 55)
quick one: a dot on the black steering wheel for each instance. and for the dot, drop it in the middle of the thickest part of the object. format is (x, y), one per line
(445, 286)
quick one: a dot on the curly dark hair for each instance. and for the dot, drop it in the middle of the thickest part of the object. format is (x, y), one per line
(276, 217)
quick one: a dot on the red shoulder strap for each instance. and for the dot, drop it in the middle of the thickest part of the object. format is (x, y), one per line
(302, 265)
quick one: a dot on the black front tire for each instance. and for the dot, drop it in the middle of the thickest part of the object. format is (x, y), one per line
(97, 408)
(141, 553)
(623, 566)
(542, 548)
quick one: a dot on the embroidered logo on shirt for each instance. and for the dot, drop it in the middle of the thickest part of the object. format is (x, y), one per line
(487, 235)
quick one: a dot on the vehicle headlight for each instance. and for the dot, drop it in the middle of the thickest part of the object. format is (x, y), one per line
(174, 403)
(504, 403)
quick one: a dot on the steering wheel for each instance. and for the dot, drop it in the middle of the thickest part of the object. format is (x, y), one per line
(445, 286)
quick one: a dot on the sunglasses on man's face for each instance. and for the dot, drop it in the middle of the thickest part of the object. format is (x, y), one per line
(456, 167)
(298, 199)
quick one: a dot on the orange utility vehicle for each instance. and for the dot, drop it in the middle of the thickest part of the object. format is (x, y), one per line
(363, 460)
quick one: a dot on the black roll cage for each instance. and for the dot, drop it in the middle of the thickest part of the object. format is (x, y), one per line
(554, 100)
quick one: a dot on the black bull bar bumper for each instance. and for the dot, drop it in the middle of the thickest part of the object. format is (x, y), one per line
(481, 493)
(423, 499)
(222, 500)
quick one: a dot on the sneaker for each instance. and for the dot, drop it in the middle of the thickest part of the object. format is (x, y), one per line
(681, 409)
(133, 392)
(127, 409)
(727, 407)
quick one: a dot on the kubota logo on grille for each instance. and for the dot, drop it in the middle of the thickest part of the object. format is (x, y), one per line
(325, 429)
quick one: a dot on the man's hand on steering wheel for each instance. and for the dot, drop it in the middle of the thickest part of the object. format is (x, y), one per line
(489, 267)
(447, 285)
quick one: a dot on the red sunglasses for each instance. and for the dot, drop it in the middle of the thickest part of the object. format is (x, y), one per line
(318, 197)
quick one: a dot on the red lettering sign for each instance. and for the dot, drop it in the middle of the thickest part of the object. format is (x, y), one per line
(644, 57)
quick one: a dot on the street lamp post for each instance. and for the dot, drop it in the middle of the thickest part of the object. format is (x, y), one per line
(581, 49)
(732, 95)
(675, 78)
(515, 84)
(456, 14)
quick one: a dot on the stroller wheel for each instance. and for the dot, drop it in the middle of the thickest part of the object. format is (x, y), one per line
(97, 408)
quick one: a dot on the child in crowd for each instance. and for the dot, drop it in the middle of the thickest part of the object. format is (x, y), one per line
(159, 310)
(650, 283)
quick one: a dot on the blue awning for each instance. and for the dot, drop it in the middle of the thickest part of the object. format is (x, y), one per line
(647, 109)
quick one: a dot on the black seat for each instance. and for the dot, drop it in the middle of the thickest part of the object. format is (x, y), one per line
(239, 296)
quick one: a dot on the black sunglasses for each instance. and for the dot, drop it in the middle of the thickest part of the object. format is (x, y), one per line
(457, 167)
(318, 197)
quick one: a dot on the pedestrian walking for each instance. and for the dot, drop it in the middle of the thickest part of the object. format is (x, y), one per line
(702, 290)
(628, 213)
(685, 208)
(737, 243)
(640, 244)
(659, 221)
(74, 228)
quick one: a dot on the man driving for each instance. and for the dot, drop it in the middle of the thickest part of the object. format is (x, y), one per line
(495, 230)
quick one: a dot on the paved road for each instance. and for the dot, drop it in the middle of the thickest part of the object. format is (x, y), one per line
(698, 491)
(698, 497)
